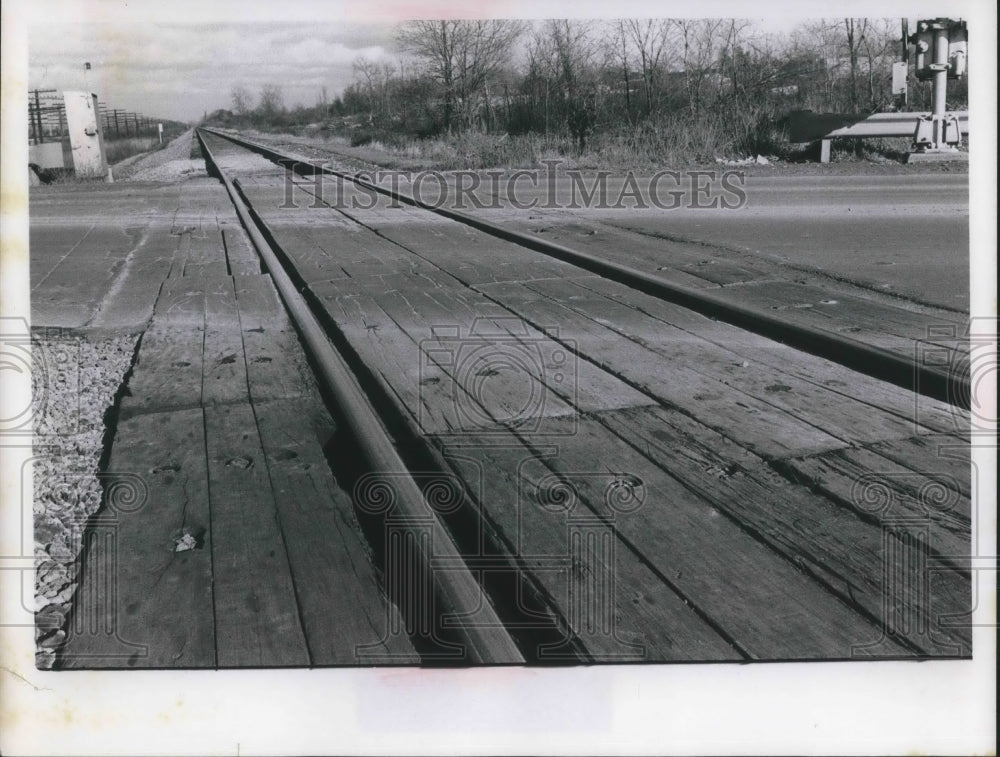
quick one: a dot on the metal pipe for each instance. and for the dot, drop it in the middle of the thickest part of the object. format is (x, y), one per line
(940, 82)
(487, 641)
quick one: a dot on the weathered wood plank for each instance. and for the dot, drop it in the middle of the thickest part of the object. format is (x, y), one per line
(256, 615)
(651, 621)
(764, 602)
(129, 303)
(884, 490)
(495, 378)
(141, 603)
(202, 270)
(275, 362)
(420, 385)
(345, 614)
(243, 259)
(679, 373)
(259, 304)
(840, 312)
(829, 541)
(921, 413)
(205, 250)
(840, 416)
(224, 377)
(488, 332)
(181, 302)
(168, 370)
(946, 456)
(612, 605)
(695, 267)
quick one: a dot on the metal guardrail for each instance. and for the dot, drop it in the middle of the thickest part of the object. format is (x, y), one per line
(806, 126)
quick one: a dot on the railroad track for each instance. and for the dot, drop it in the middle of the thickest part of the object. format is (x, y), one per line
(563, 460)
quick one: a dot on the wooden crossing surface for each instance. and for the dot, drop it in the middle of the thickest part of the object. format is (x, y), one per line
(630, 481)
(746, 449)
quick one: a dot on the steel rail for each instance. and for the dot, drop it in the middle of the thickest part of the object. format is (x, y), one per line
(486, 641)
(909, 374)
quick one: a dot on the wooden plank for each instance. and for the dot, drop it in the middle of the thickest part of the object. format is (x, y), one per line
(420, 385)
(693, 266)
(202, 270)
(611, 604)
(839, 312)
(758, 598)
(156, 602)
(939, 455)
(345, 614)
(168, 370)
(205, 249)
(224, 371)
(256, 615)
(129, 303)
(531, 350)
(276, 364)
(924, 414)
(829, 541)
(494, 378)
(473, 256)
(259, 304)
(835, 413)
(687, 373)
(181, 302)
(181, 252)
(653, 623)
(243, 259)
(883, 490)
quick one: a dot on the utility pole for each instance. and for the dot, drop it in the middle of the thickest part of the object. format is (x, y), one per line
(35, 114)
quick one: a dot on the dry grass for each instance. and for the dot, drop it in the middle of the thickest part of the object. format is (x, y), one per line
(666, 141)
(118, 150)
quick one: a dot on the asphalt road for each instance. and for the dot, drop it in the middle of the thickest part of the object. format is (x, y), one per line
(906, 235)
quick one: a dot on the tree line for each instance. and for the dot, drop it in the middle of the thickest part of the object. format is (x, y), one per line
(724, 80)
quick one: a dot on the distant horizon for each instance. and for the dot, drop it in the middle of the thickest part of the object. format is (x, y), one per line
(180, 71)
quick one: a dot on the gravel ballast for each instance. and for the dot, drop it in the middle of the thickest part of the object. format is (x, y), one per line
(172, 163)
(75, 382)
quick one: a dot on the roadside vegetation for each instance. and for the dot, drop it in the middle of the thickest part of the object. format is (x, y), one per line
(630, 92)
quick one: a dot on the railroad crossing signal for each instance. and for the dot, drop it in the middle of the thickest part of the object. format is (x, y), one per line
(942, 49)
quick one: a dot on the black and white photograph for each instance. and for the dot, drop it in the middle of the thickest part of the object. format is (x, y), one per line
(443, 377)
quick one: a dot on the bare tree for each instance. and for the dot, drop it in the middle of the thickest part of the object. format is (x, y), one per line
(377, 80)
(650, 37)
(566, 53)
(241, 99)
(460, 55)
(271, 100)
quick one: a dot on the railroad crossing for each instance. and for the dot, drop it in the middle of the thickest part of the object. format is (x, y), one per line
(368, 432)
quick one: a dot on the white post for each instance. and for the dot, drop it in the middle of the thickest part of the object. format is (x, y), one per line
(85, 137)
(159, 129)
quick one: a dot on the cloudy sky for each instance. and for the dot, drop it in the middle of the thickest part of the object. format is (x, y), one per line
(180, 58)
(180, 71)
